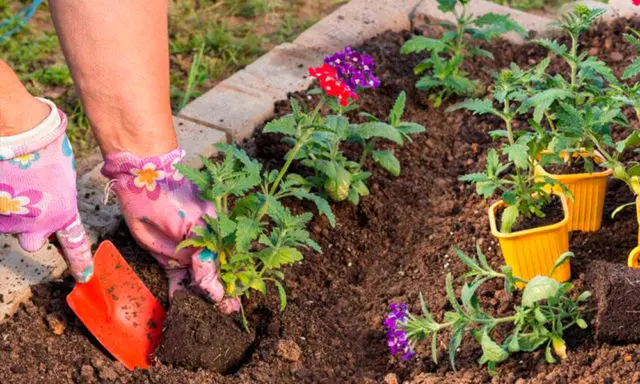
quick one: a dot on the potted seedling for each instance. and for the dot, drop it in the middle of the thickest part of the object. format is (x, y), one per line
(546, 310)
(530, 220)
(442, 73)
(577, 112)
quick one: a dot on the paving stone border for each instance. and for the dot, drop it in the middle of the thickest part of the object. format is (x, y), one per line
(235, 107)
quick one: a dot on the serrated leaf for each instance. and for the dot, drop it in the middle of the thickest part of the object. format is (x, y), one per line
(446, 5)
(388, 161)
(632, 70)
(498, 24)
(553, 46)
(473, 178)
(477, 106)
(285, 125)
(247, 230)
(322, 204)
(419, 44)
(517, 153)
(199, 178)
(276, 258)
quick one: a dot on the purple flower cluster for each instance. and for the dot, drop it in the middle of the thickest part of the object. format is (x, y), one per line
(355, 69)
(396, 334)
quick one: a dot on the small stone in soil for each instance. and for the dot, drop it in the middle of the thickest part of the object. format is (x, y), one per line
(57, 323)
(391, 378)
(289, 350)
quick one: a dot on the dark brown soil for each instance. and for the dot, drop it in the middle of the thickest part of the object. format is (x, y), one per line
(199, 336)
(393, 246)
(577, 166)
(553, 213)
(615, 289)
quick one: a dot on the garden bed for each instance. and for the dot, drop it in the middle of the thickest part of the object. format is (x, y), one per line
(393, 246)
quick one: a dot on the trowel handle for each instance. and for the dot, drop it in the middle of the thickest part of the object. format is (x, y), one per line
(99, 291)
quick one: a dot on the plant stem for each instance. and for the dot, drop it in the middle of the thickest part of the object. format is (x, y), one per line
(574, 59)
(365, 153)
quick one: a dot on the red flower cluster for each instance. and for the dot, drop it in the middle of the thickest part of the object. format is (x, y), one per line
(328, 78)
(635, 2)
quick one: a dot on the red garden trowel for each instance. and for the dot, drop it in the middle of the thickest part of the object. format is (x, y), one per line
(118, 309)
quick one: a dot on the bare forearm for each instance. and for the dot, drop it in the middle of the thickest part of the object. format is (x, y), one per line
(117, 51)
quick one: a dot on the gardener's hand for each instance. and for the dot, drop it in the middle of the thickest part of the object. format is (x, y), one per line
(161, 208)
(38, 194)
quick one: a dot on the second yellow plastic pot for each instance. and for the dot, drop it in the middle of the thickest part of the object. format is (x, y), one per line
(533, 252)
(589, 191)
(634, 256)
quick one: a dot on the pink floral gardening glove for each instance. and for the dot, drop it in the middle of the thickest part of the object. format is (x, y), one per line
(38, 194)
(161, 207)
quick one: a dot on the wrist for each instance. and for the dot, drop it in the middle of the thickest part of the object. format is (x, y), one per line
(49, 128)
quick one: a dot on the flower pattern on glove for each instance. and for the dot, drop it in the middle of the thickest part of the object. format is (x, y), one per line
(23, 203)
(25, 161)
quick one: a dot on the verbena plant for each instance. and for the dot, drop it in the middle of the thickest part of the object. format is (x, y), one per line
(254, 235)
(333, 173)
(546, 310)
(510, 170)
(442, 69)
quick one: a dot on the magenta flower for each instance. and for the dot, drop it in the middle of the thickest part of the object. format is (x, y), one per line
(396, 335)
(355, 69)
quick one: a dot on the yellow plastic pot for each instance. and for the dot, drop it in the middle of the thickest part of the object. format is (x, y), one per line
(533, 252)
(634, 257)
(588, 190)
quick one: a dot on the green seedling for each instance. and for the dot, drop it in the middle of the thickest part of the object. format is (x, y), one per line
(442, 73)
(546, 310)
(510, 171)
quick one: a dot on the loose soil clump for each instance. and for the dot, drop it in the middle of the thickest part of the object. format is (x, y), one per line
(197, 336)
(394, 246)
(615, 289)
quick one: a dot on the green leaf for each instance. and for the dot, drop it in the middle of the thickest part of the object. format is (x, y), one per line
(630, 141)
(632, 70)
(322, 204)
(282, 293)
(548, 356)
(477, 106)
(581, 323)
(446, 5)
(407, 129)
(541, 101)
(454, 342)
(419, 44)
(474, 178)
(518, 154)
(398, 109)
(498, 24)
(275, 258)
(388, 161)
(553, 46)
(491, 351)
(199, 178)
(538, 289)
(620, 208)
(378, 129)
(285, 125)
(227, 226)
(509, 217)
(564, 257)
(246, 231)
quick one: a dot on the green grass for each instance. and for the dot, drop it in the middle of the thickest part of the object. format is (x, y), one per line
(208, 41)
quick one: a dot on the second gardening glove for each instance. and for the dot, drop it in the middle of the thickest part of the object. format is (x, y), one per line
(161, 208)
(38, 195)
